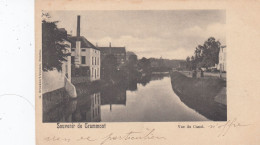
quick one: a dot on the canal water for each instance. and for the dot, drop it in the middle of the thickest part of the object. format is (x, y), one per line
(152, 101)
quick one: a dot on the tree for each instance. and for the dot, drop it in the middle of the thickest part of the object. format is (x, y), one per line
(199, 56)
(144, 64)
(206, 55)
(188, 63)
(53, 46)
(109, 66)
(193, 64)
(210, 52)
(132, 62)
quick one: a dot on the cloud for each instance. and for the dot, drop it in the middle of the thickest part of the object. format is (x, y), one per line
(167, 44)
(171, 34)
(146, 47)
(216, 30)
(179, 53)
(193, 31)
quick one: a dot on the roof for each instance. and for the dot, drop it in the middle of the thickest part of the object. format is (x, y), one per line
(84, 42)
(112, 49)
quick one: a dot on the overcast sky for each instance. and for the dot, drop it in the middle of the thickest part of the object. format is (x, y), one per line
(170, 34)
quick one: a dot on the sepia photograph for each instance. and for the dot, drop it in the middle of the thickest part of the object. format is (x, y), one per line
(130, 72)
(134, 66)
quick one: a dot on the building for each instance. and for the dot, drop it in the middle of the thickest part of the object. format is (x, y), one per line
(222, 59)
(85, 54)
(118, 52)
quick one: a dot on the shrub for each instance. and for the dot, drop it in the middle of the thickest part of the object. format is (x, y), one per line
(81, 71)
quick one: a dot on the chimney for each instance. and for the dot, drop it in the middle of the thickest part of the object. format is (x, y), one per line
(109, 44)
(78, 26)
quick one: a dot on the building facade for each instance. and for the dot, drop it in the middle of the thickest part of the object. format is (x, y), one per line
(85, 54)
(118, 52)
(222, 59)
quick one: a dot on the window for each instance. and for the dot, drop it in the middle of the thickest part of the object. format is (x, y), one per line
(92, 72)
(92, 60)
(72, 59)
(83, 49)
(97, 71)
(95, 61)
(83, 59)
(73, 49)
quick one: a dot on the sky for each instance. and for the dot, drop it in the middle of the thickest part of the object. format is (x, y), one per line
(171, 34)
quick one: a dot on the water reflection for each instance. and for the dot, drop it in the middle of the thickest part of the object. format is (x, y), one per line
(144, 102)
(113, 95)
(58, 111)
(88, 108)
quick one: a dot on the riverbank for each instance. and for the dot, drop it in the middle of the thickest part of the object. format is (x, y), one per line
(206, 74)
(200, 94)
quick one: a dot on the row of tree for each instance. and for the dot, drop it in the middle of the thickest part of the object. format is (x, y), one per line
(206, 55)
(53, 46)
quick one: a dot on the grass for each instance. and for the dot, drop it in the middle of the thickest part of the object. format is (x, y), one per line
(199, 94)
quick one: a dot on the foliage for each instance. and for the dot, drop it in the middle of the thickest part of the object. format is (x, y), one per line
(205, 55)
(160, 69)
(188, 63)
(109, 66)
(131, 66)
(81, 71)
(53, 47)
(132, 61)
(144, 64)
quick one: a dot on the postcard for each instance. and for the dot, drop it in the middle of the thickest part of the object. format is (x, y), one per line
(137, 72)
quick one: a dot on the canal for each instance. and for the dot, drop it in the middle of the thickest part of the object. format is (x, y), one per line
(151, 101)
